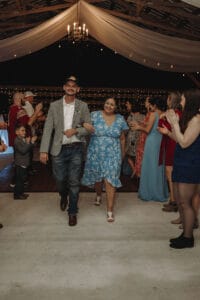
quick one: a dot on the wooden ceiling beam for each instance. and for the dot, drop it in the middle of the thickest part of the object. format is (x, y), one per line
(164, 3)
(160, 25)
(9, 26)
(175, 9)
(7, 14)
(18, 4)
(139, 7)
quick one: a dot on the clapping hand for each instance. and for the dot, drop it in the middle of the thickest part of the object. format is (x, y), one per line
(28, 139)
(3, 125)
(38, 107)
(172, 117)
(163, 130)
(33, 139)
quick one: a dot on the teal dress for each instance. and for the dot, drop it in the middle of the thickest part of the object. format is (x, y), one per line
(104, 156)
(153, 183)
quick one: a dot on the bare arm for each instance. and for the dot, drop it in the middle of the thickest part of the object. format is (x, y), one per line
(165, 130)
(122, 141)
(191, 133)
(89, 127)
(147, 128)
(34, 117)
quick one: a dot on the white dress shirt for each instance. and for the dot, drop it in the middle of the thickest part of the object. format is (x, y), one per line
(68, 110)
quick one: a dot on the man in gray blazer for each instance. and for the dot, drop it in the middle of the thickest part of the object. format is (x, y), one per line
(64, 137)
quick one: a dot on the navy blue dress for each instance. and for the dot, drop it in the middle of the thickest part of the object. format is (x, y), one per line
(186, 168)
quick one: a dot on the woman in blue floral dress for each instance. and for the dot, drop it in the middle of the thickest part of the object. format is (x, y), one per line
(105, 153)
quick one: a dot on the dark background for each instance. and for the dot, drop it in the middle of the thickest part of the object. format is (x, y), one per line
(94, 64)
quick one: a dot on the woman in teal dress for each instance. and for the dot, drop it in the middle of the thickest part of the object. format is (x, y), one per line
(153, 184)
(105, 153)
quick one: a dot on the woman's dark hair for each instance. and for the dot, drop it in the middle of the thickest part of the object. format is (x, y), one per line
(160, 102)
(135, 105)
(192, 107)
(131, 102)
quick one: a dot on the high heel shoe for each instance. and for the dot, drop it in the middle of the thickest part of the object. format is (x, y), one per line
(110, 216)
(171, 207)
(97, 201)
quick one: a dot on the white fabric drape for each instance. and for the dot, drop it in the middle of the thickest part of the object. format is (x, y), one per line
(143, 46)
(37, 38)
(193, 2)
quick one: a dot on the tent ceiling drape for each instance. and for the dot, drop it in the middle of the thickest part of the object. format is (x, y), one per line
(143, 46)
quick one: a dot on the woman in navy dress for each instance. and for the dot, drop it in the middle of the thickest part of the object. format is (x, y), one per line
(105, 153)
(186, 168)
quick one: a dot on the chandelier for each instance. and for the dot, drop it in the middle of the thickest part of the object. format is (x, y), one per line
(77, 32)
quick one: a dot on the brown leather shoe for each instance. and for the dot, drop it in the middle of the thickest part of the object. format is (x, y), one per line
(176, 221)
(167, 204)
(63, 203)
(1, 225)
(72, 220)
(171, 208)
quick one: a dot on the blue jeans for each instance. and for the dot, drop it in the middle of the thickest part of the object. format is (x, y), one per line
(67, 167)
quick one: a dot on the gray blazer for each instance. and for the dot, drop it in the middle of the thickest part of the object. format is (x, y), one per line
(54, 125)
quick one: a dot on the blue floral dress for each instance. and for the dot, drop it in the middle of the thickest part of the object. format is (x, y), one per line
(104, 157)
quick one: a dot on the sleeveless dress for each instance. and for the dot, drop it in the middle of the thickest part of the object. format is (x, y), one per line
(168, 145)
(104, 156)
(153, 183)
(140, 148)
(186, 167)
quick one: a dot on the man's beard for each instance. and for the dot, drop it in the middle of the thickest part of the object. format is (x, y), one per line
(70, 93)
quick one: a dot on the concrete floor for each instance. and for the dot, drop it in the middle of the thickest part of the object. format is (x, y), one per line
(41, 257)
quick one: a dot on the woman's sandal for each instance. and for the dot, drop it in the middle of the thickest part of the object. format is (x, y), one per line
(97, 201)
(110, 217)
